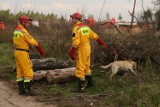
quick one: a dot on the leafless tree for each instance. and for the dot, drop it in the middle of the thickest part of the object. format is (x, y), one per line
(157, 14)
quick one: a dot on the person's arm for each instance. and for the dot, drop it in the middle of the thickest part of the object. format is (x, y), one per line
(72, 53)
(75, 44)
(94, 36)
(100, 42)
(33, 42)
(30, 40)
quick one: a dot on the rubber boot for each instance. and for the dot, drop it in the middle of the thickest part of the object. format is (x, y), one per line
(21, 87)
(81, 86)
(89, 81)
(29, 90)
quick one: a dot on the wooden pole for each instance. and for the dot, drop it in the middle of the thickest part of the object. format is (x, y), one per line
(132, 19)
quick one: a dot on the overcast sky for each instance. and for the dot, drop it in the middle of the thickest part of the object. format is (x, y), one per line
(67, 7)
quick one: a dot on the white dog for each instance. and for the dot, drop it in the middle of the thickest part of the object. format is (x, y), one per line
(121, 65)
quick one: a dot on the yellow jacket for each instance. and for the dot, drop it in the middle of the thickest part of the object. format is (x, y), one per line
(22, 39)
(81, 35)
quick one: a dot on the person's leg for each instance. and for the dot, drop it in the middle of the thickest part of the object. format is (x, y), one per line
(22, 90)
(19, 74)
(80, 67)
(26, 66)
(28, 86)
(89, 81)
(88, 73)
(81, 80)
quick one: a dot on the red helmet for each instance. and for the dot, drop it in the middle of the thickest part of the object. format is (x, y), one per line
(24, 19)
(76, 16)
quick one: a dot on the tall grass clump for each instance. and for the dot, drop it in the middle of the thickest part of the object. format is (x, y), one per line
(7, 62)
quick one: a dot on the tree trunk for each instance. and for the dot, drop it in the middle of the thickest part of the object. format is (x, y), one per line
(158, 23)
(48, 64)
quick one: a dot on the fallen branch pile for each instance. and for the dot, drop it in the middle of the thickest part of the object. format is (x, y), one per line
(137, 47)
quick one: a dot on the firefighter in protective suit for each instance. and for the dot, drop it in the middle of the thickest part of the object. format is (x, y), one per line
(22, 41)
(81, 35)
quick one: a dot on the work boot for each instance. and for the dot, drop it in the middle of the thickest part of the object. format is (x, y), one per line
(29, 90)
(89, 81)
(21, 87)
(81, 86)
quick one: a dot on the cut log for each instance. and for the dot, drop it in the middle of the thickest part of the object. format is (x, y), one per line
(48, 64)
(60, 75)
(40, 75)
(54, 76)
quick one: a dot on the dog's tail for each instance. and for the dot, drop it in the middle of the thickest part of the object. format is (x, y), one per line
(107, 66)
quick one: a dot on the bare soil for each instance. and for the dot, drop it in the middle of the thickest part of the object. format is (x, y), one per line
(9, 97)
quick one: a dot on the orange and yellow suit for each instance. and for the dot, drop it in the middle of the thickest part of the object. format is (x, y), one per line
(22, 41)
(81, 40)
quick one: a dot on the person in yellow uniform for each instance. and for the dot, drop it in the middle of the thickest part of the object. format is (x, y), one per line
(22, 41)
(81, 35)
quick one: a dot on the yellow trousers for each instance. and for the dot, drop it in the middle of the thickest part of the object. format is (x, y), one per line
(83, 61)
(23, 65)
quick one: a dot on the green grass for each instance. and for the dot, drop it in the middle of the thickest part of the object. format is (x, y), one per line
(126, 91)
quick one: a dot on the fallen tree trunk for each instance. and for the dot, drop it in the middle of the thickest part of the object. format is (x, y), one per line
(60, 75)
(55, 76)
(40, 75)
(48, 64)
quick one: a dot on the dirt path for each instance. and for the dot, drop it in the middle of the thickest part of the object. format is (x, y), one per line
(9, 97)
